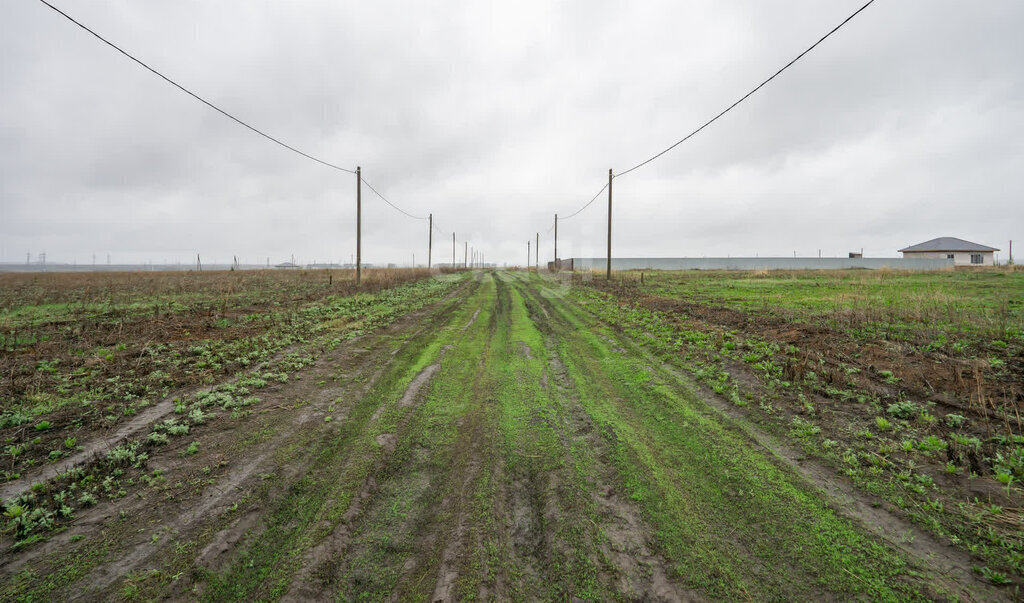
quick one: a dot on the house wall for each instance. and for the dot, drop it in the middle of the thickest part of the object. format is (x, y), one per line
(757, 263)
(960, 258)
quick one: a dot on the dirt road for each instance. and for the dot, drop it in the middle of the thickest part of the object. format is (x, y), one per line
(503, 443)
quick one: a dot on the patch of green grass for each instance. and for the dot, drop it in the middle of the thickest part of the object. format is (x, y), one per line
(956, 311)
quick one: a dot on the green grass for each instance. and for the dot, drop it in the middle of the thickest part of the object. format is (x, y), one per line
(933, 309)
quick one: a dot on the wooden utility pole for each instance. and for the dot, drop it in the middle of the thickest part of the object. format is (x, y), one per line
(430, 239)
(359, 225)
(556, 242)
(608, 273)
(453, 251)
(465, 254)
(527, 256)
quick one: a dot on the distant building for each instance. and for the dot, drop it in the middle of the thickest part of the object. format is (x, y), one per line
(963, 253)
(291, 265)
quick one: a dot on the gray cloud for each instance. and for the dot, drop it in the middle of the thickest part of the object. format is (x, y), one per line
(908, 124)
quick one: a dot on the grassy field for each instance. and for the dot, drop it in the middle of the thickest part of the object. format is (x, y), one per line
(491, 435)
(952, 311)
(908, 384)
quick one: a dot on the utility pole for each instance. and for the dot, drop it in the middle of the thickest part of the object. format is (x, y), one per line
(359, 225)
(527, 256)
(608, 272)
(1011, 252)
(556, 242)
(453, 251)
(199, 264)
(465, 254)
(536, 253)
(430, 239)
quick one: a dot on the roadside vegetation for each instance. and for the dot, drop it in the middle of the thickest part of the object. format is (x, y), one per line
(908, 384)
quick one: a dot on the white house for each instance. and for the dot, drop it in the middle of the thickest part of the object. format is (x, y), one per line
(963, 253)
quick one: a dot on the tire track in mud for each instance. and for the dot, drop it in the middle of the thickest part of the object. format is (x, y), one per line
(314, 580)
(337, 542)
(432, 487)
(465, 472)
(449, 570)
(399, 519)
(526, 503)
(638, 573)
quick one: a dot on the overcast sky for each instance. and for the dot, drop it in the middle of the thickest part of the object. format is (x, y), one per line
(906, 125)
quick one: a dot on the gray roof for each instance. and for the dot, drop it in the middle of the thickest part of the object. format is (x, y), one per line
(948, 244)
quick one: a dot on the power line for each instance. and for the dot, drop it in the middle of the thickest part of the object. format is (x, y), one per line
(748, 94)
(222, 111)
(194, 95)
(588, 202)
(726, 110)
(385, 200)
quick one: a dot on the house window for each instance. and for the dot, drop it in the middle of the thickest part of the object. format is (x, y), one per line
(949, 256)
(976, 258)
